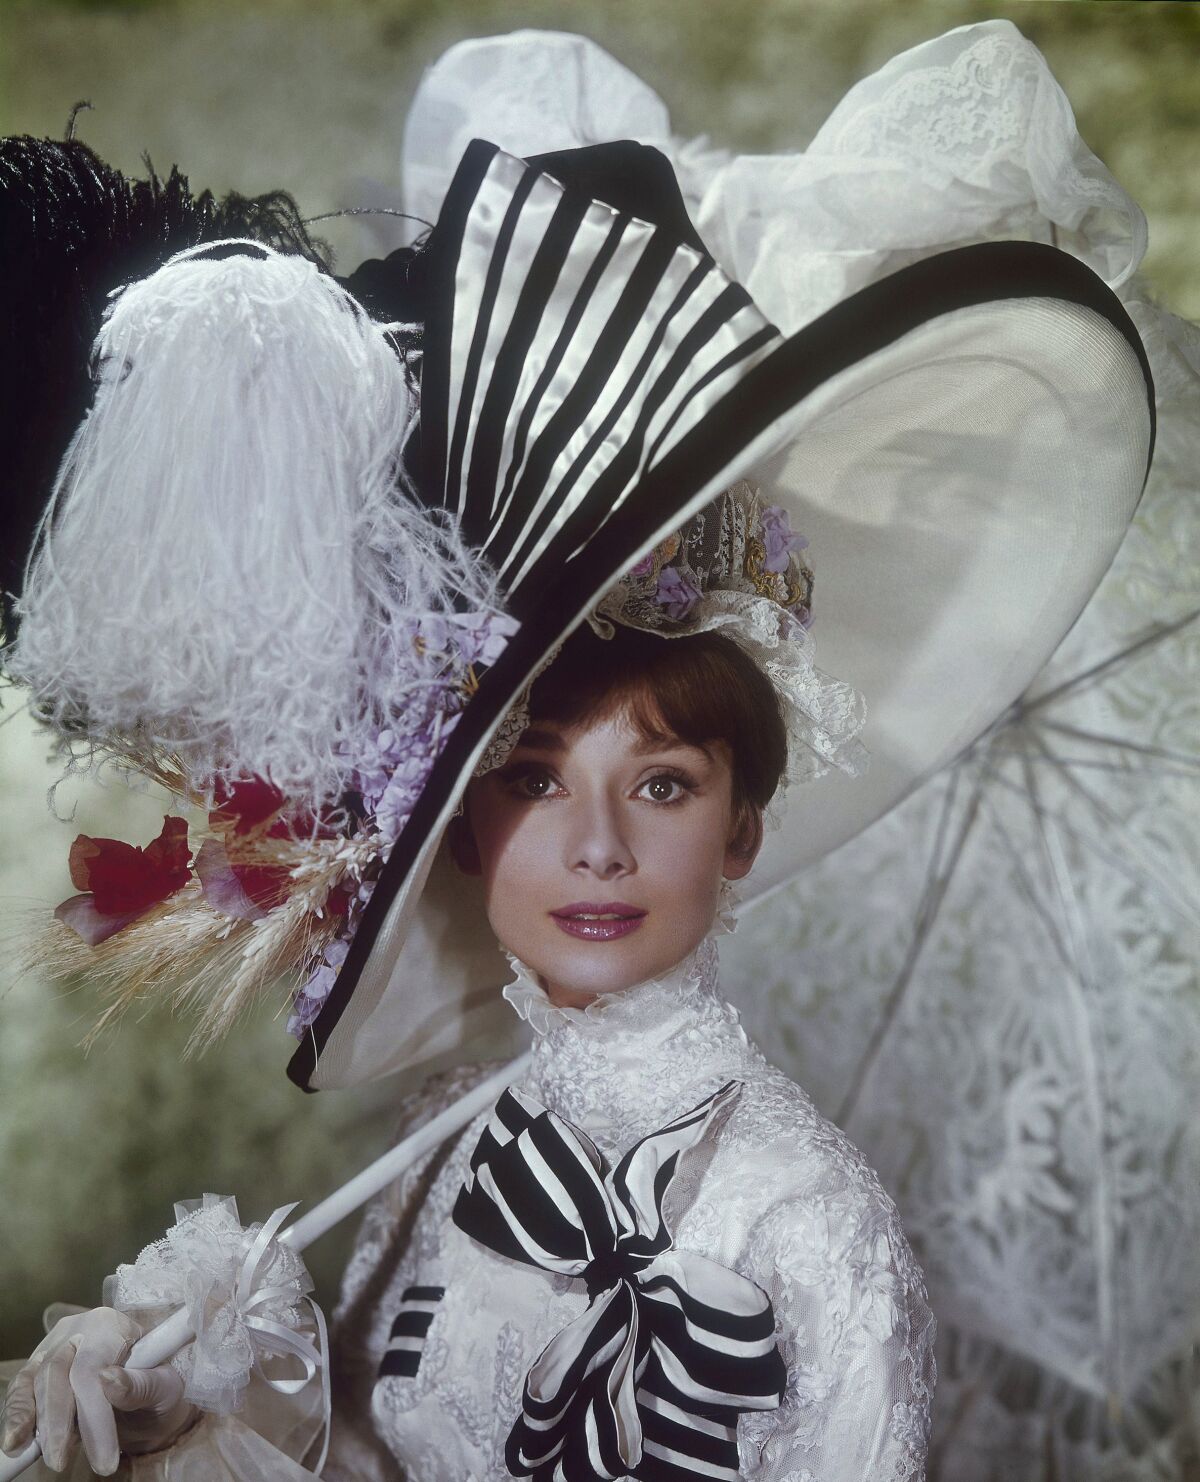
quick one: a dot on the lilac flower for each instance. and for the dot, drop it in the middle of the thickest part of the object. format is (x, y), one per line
(395, 804)
(482, 637)
(307, 1003)
(311, 996)
(221, 888)
(304, 1011)
(644, 566)
(336, 952)
(434, 632)
(778, 538)
(675, 593)
(457, 640)
(401, 754)
(391, 772)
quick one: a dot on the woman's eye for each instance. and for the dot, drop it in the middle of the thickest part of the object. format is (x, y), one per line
(530, 782)
(665, 789)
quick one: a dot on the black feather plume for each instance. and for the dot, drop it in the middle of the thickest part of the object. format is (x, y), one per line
(73, 229)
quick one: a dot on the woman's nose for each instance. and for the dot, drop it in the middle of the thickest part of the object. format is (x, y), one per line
(597, 841)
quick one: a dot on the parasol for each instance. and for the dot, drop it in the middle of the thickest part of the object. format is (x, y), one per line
(994, 991)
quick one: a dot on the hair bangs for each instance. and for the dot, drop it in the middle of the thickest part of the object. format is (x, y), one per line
(699, 688)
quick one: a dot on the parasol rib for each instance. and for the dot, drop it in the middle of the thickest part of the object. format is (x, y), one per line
(1096, 1080)
(1166, 753)
(937, 881)
(1144, 876)
(1024, 707)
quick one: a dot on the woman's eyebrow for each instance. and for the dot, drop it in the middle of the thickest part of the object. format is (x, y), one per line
(675, 743)
(552, 741)
(541, 740)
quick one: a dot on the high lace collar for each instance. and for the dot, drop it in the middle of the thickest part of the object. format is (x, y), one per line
(696, 974)
(631, 1060)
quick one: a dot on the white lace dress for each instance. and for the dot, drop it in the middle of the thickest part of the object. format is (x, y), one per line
(773, 1192)
(778, 1195)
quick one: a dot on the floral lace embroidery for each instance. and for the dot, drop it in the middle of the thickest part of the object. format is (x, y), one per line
(972, 120)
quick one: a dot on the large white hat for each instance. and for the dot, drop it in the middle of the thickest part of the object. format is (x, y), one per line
(963, 444)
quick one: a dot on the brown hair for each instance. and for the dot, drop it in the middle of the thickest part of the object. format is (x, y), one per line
(700, 688)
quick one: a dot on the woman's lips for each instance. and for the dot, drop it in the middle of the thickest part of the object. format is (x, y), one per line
(598, 923)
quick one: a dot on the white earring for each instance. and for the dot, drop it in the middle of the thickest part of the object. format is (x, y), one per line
(728, 902)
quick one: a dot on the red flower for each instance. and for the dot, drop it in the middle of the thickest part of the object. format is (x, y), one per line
(241, 808)
(124, 878)
(338, 901)
(123, 881)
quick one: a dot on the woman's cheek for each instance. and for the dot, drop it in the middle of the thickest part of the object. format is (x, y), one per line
(682, 862)
(520, 864)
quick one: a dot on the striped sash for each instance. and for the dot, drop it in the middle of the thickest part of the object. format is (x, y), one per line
(403, 1353)
(649, 1381)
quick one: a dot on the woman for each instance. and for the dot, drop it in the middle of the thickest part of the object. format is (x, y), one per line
(640, 787)
(653, 1258)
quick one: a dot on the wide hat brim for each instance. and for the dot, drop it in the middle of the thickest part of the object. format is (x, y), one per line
(963, 443)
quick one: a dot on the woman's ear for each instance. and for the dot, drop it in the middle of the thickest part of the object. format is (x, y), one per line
(461, 840)
(744, 843)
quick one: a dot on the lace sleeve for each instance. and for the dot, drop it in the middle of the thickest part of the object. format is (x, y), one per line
(857, 1336)
(360, 1323)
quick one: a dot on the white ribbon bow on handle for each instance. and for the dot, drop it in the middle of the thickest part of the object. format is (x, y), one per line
(246, 1294)
(240, 1251)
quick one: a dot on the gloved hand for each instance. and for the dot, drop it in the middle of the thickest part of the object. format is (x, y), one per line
(74, 1388)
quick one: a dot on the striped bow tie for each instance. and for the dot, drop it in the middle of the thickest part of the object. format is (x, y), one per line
(650, 1380)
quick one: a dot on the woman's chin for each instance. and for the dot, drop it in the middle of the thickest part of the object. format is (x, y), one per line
(581, 968)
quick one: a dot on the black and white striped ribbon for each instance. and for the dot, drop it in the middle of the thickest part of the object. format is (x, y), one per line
(403, 1353)
(582, 347)
(649, 1381)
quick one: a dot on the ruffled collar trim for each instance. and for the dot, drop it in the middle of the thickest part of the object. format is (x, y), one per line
(631, 1060)
(695, 976)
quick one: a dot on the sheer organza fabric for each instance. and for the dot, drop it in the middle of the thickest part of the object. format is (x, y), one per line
(965, 138)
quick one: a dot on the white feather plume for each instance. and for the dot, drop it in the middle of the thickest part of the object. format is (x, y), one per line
(229, 568)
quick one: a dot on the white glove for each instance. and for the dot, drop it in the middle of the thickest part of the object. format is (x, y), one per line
(74, 1389)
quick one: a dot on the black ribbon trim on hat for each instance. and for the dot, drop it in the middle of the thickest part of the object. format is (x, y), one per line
(649, 1380)
(521, 266)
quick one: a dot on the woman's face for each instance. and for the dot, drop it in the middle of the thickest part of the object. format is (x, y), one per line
(597, 822)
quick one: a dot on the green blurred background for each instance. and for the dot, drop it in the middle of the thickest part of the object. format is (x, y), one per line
(311, 96)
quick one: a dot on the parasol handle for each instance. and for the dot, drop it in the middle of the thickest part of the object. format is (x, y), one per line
(164, 1341)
